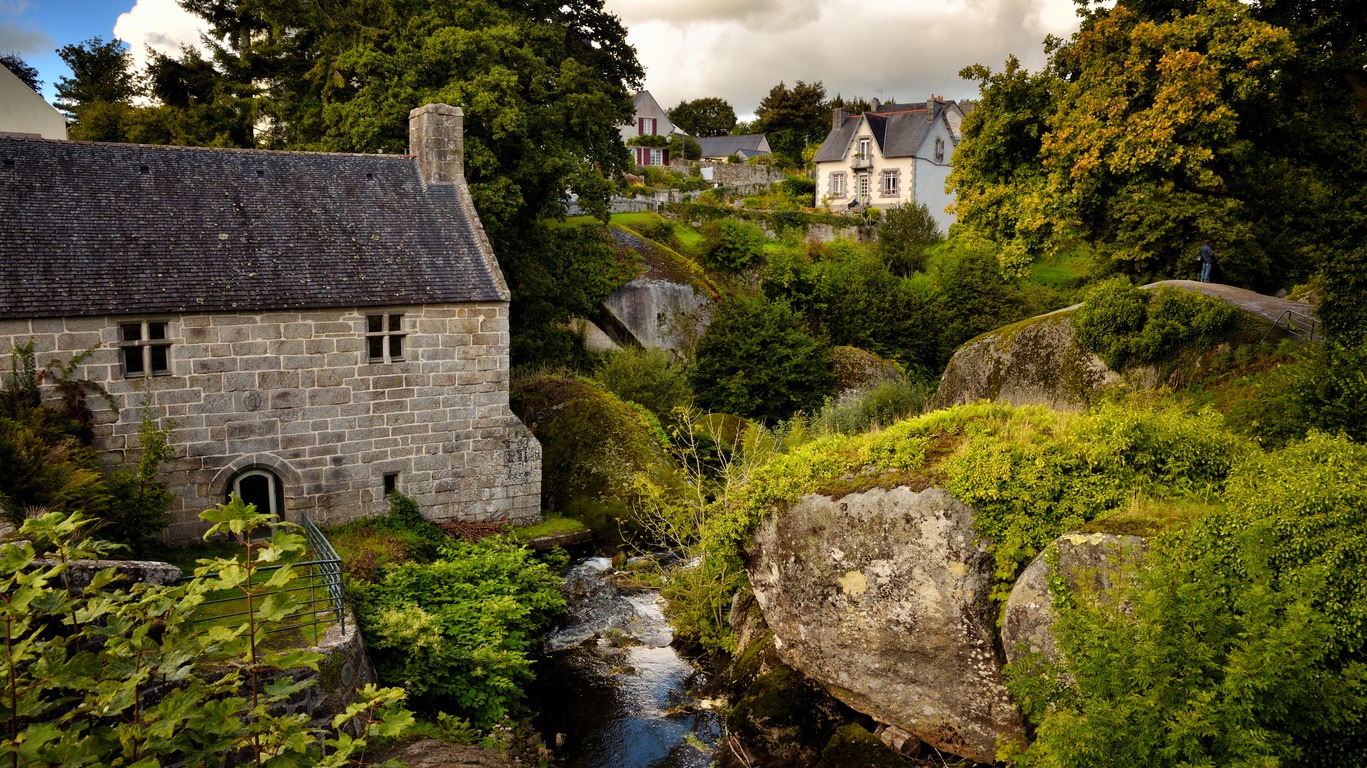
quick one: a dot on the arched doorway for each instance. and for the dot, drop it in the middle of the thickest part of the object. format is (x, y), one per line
(260, 487)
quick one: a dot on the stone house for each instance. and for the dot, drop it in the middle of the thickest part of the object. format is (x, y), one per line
(891, 154)
(651, 120)
(321, 328)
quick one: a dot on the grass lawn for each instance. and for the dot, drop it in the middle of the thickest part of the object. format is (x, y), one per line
(1060, 272)
(550, 526)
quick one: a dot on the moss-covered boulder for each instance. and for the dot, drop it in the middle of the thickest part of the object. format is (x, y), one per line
(594, 447)
(783, 720)
(854, 747)
(1034, 362)
(856, 369)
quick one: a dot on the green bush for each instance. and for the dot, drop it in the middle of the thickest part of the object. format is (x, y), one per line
(757, 360)
(905, 234)
(800, 187)
(861, 303)
(649, 377)
(732, 244)
(1332, 393)
(1107, 322)
(882, 405)
(974, 296)
(1119, 321)
(458, 632)
(1239, 643)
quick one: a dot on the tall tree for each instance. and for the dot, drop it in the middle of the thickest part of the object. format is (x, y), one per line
(708, 116)
(100, 71)
(794, 117)
(14, 63)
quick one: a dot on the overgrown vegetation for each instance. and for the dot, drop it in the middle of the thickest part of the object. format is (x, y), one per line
(108, 674)
(1121, 322)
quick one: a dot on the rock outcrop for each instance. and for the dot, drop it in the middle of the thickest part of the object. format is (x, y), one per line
(1087, 561)
(659, 313)
(1034, 362)
(882, 597)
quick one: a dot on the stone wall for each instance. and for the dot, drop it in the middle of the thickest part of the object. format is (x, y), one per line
(741, 174)
(293, 393)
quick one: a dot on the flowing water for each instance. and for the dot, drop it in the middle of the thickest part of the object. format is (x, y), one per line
(613, 686)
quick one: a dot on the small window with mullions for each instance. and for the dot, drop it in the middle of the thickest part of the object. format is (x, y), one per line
(384, 338)
(144, 349)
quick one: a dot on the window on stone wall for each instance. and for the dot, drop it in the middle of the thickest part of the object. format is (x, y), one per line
(144, 349)
(890, 183)
(837, 185)
(384, 337)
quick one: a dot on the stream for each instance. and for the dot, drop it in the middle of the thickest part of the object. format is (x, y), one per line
(614, 687)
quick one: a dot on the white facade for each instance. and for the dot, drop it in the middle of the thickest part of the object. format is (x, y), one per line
(910, 163)
(23, 112)
(651, 120)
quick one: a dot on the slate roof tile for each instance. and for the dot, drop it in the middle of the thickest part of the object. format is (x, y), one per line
(94, 229)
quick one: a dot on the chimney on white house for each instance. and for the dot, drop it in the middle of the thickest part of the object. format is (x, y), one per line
(838, 116)
(874, 104)
(436, 137)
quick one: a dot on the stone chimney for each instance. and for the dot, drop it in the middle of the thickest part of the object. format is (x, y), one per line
(874, 104)
(838, 116)
(436, 136)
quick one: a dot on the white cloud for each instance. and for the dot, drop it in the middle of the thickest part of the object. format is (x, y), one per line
(160, 24)
(871, 48)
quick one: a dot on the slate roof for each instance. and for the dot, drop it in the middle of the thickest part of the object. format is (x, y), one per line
(94, 229)
(899, 132)
(725, 146)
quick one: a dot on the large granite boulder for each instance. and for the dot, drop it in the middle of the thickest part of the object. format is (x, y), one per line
(1034, 362)
(1090, 562)
(659, 313)
(883, 598)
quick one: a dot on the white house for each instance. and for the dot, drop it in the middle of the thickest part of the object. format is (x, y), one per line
(24, 113)
(651, 120)
(891, 154)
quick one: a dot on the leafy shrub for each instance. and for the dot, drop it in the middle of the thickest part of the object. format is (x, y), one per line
(1241, 640)
(113, 674)
(1114, 313)
(649, 377)
(732, 244)
(974, 295)
(906, 232)
(370, 546)
(757, 360)
(861, 303)
(1119, 321)
(882, 405)
(140, 503)
(800, 187)
(1332, 392)
(458, 632)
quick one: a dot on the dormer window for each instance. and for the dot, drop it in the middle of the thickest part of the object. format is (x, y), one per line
(864, 148)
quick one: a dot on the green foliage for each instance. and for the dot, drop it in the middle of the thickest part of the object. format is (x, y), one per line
(860, 302)
(86, 670)
(1041, 478)
(904, 234)
(1119, 321)
(1239, 643)
(1332, 391)
(757, 360)
(1108, 321)
(731, 244)
(974, 295)
(458, 632)
(684, 148)
(649, 140)
(555, 274)
(793, 117)
(138, 512)
(649, 377)
(100, 72)
(800, 187)
(20, 68)
(882, 404)
(594, 447)
(707, 116)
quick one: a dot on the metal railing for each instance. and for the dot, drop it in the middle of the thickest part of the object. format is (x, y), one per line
(318, 583)
(1298, 324)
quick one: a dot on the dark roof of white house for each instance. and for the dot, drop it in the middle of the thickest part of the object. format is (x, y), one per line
(725, 146)
(900, 130)
(92, 229)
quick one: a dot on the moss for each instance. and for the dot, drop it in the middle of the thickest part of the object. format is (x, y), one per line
(664, 263)
(552, 525)
(856, 368)
(785, 717)
(594, 446)
(854, 747)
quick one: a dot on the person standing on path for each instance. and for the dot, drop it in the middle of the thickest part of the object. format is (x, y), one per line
(1207, 259)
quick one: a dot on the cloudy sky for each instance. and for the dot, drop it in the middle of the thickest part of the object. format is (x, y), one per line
(902, 50)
